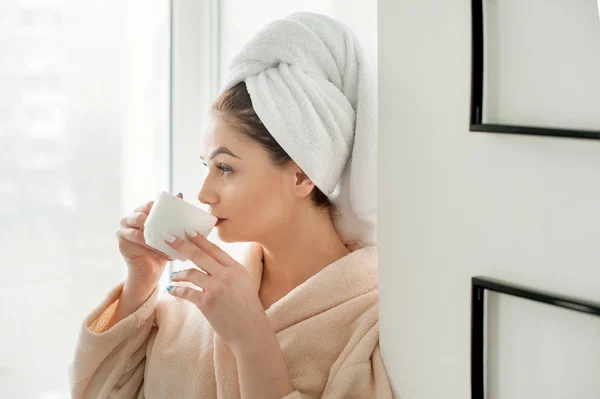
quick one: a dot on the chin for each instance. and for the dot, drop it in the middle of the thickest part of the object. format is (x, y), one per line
(228, 235)
(225, 236)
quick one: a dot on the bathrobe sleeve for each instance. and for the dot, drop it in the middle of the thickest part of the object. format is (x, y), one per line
(110, 363)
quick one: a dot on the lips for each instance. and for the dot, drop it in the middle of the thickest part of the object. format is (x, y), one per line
(220, 221)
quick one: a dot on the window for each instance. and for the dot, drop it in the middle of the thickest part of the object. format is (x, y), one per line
(84, 138)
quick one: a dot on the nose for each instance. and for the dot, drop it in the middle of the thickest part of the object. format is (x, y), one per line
(207, 195)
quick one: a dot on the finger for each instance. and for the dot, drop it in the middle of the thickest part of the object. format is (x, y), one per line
(135, 220)
(209, 248)
(136, 236)
(146, 206)
(148, 252)
(191, 294)
(154, 254)
(133, 235)
(193, 253)
(192, 275)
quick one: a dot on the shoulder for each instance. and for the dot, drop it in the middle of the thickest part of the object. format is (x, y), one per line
(361, 268)
(364, 267)
(369, 254)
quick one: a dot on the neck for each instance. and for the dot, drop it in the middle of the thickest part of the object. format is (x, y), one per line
(299, 249)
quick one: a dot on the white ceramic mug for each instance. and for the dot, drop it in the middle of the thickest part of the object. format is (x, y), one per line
(172, 215)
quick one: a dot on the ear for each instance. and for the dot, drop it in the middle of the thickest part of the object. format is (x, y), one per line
(303, 186)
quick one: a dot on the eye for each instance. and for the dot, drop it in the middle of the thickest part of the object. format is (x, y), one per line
(224, 169)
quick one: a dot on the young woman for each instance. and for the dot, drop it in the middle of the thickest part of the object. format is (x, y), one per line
(297, 319)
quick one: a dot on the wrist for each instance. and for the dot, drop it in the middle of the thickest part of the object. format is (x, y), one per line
(132, 297)
(139, 289)
(144, 280)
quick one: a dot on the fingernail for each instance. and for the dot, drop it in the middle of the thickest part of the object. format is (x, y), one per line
(169, 237)
(191, 232)
(172, 274)
(169, 288)
(181, 195)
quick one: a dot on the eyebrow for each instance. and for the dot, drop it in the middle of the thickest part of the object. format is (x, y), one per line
(220, 150)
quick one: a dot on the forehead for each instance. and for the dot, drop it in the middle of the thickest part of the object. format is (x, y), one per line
(218, 133)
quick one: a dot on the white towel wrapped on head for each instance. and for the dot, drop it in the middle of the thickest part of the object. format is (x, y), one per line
(316, 93)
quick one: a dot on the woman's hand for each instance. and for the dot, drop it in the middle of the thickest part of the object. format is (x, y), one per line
(144, 263)
(229, 300)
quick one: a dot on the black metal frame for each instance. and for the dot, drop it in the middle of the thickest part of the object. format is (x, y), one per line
(479, 284)
(477, 64)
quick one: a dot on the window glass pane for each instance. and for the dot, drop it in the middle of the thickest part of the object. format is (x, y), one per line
(84, 139)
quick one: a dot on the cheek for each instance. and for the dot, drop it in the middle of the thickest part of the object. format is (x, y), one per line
(258, 205)
(269, 211)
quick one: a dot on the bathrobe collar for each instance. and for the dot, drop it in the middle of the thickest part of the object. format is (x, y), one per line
(351, 276)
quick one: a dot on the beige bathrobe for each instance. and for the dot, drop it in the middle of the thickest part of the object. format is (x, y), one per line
(327, 328)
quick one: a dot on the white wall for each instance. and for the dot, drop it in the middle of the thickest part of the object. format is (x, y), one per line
(455, 203)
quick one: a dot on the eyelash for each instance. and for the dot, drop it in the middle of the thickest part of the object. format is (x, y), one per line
(225, 170)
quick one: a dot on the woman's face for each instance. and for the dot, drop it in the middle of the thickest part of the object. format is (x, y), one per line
(242, 186)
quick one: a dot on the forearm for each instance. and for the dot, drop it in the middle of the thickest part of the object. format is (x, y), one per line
(262, 370)
(132, 298)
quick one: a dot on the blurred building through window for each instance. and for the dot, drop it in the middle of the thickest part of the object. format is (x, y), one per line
(83, 140)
